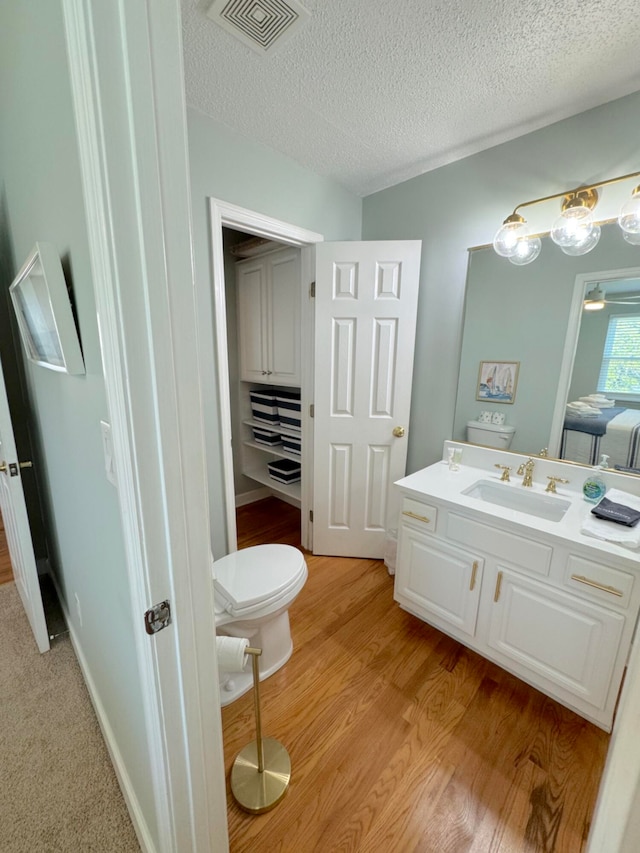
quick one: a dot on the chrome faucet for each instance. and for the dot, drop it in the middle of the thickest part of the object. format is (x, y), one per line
(526, 469)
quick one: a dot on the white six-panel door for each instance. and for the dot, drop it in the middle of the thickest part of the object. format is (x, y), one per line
(366, 301)
(16, 523)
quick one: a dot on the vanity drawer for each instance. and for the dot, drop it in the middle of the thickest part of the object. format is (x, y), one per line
(598, 582)
(530, 555)
(420, 514)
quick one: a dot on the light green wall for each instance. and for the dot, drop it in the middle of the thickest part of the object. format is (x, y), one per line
(521, 314)
(233, 169)
(462, 205)
(43, 202)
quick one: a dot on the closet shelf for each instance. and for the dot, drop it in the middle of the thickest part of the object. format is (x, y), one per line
(293, 490)
(295, 433)
(274, 451)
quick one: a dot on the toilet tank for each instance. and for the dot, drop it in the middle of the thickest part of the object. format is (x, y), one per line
(491, 435)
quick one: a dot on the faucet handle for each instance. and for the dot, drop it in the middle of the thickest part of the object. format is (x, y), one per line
(505, 472)
(551, 487)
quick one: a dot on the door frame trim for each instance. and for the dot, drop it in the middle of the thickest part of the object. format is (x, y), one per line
(132, 145)
(223, 214)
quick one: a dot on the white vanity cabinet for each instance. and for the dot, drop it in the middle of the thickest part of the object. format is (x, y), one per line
(268, 301)
(559, 615)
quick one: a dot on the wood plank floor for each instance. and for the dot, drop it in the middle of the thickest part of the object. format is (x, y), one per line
(6, 574)
(400, 738)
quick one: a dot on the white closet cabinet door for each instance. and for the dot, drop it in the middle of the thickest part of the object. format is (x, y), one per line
(251, 283)
(283, 335)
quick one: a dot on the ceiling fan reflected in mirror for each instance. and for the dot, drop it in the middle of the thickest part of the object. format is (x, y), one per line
(596, 299)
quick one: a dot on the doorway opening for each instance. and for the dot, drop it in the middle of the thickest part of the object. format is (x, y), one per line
(264, 325)
(231, 225)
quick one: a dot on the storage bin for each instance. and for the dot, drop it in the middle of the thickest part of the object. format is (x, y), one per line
(263, 436)
(289, 409)
(292, 443)
(264, 406)
(285, 471)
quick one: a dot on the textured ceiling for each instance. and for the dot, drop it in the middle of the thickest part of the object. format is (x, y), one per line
(371, 93)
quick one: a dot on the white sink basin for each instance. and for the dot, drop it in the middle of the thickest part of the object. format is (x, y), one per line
(542, 506)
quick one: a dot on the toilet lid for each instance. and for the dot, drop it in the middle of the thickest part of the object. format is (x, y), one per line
(256, 576)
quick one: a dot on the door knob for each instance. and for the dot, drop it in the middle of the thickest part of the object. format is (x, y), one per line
(398, 431)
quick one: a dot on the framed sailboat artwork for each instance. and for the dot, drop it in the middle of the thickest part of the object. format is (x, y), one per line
(497, 381)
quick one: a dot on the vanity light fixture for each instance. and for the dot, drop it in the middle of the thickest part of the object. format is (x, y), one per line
(629, 219)
(574, 230)
(596, 299)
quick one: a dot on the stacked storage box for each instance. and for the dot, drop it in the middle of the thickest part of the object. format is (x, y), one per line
(289, 409)
(264, 406)
(266, 437)
(292, 443)
(285, 471)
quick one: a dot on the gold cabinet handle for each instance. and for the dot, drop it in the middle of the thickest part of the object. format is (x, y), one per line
(398, 431)
(474, 572)
(496, 594)
(3, 466)
(603, 587)
(416, 516)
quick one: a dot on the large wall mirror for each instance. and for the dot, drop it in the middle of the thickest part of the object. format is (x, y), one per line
(533, 315)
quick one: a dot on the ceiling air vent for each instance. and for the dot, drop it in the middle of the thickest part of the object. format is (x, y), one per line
(259, 23)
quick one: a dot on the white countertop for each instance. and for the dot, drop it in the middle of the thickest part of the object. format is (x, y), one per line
(439, 483)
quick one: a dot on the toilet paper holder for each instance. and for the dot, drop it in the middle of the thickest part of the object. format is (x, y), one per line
(262, 769)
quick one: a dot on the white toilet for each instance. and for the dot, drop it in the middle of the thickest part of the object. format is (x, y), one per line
(253, 589)
(490, 435)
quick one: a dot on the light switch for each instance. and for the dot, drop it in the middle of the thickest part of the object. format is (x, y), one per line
(107, 447)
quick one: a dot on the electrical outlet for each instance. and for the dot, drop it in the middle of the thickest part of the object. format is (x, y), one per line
(78, 608)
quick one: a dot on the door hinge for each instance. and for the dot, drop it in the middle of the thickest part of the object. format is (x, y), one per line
(311, 515)
(312, 290)
(157, 617)
(312, 411)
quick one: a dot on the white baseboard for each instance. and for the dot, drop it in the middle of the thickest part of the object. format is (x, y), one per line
(264, 492)
(252, 496)
(131, 801)
(286, 499)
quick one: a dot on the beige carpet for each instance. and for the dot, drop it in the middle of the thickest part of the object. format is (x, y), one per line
(58, 790)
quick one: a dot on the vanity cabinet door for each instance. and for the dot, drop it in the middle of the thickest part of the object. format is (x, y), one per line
(552, 636)
(438, 582)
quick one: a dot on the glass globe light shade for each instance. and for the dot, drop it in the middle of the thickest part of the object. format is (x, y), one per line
(507, 236)
(573, 226)
(634, 239)
(527, 250)
(629, 218)
(587, 245)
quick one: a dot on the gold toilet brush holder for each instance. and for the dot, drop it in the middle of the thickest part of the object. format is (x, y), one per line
(261, 772)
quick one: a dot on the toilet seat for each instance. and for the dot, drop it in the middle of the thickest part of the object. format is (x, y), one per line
(258, 578)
